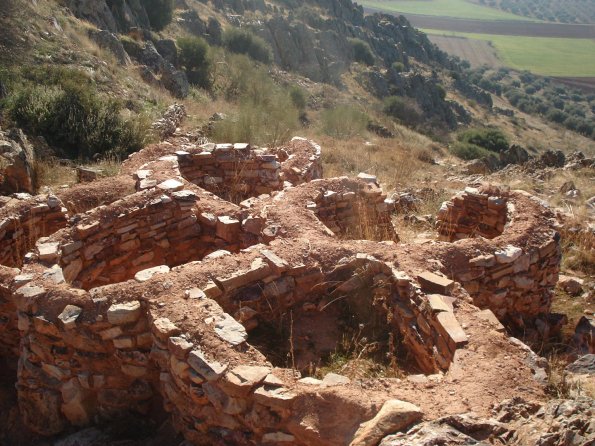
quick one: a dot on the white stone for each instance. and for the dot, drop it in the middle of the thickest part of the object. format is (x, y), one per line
(146, 274)
(508, 254)
(230, 330)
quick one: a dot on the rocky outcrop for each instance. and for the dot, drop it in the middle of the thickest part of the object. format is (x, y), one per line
(110, 41)
(16, 163)
(112, 16)
(515, 422)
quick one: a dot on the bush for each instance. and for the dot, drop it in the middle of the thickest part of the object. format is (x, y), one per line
(396, 107)
(298, 97)
(72, 116)
(493, 140)
(160, 12)
(398, 67)
(242, 41)
(269, 122)
(344, 122)
(361, 52)
(468, 151)
(194, 57)
(267, 114)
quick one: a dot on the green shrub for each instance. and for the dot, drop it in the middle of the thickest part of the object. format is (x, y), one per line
(160, 12)
(490, 139)
(344, 122)
(270, 122)
(242, 41)
(194, 57)
(468, 151)
(361, 52)
(398, 67)
(397, 107)
(70, 114)
(298, 97)
(267, 114)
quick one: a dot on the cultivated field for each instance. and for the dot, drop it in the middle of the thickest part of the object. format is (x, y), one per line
(558, 57)
(461, 9)
(564, 11)
(505, 28)
(477, 52)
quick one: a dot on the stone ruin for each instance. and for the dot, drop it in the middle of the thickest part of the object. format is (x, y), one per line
(232, 272)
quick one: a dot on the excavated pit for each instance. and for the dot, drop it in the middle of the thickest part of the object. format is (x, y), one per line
(174, 298)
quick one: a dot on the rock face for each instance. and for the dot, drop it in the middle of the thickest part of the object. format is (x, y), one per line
(110, 41)
(16, 158)
(514, 422)
(394, 416)
(111, 16)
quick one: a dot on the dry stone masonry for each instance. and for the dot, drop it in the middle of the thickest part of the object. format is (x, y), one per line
(175, 298)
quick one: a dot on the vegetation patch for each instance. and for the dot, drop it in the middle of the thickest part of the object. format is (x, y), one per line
(64, 107)
(242, 41)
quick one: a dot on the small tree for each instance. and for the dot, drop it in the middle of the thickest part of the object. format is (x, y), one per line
(361, 52)
(160, 12)
(194, 57)
(242, 41)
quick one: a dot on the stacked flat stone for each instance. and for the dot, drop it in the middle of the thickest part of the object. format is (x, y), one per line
(167, 228)
(471, 213)
(89, 355)
(24, 221)
(358, 212)
(231, 170)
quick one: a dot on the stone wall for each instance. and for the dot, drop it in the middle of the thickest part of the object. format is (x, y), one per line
(514, 273)
(231, 171)
(23, 221)
(356, 211)
(9, 332)
(163, 226)
(472, 213)
(88, 356)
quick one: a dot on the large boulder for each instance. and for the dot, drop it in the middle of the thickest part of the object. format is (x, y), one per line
(16, 163)
(109, 41)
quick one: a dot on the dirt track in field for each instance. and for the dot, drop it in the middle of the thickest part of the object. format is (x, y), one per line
(477, 52)
(507, 28)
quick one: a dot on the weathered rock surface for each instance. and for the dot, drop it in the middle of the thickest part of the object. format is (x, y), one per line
(16, 158)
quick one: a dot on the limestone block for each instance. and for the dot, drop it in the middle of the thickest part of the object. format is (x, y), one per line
(228, 228)
(48, 252)
(124, 313)
(69, 316)
(242, 379)
(276, 397)
(394, 416)
(433, 283)
(508, 254)
(179, 346)
(451, 330)
(230, 330)
(209, 369)
(147, 274)
(163, 329)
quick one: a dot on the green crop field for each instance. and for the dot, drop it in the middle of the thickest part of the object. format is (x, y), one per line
(548, 56)
(460, 9)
